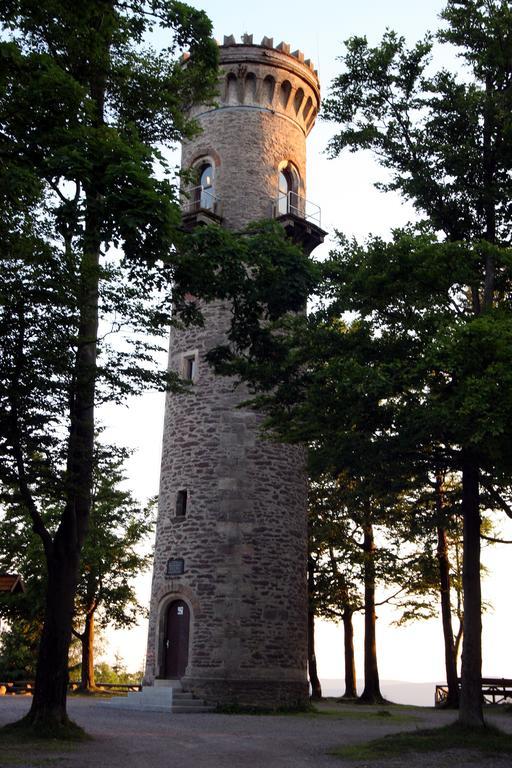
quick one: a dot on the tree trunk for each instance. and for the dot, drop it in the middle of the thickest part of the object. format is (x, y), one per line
(49, 702)
(371, 693)
(489, 180)
(87, 640)
(50, 697)
(48, 708)
(316, 688)
(470, 711)
(350, 664)
(458, 640)
(446, 613)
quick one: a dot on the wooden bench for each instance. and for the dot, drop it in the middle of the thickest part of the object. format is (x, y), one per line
(27, 686)
(495, 690)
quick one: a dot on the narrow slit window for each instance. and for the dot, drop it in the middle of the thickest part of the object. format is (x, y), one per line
(181, 503)
(190, 367)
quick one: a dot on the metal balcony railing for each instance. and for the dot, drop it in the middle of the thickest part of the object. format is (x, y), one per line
(196, 199)
(294, 204)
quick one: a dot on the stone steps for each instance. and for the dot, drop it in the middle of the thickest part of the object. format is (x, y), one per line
(167, 697)
(184, 702)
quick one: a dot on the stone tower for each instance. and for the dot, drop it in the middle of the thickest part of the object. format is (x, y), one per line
(228, 610)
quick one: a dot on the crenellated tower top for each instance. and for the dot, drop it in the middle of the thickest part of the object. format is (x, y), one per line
(267, 77)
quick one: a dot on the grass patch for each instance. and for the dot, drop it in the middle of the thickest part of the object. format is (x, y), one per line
(240, 709)
(40, 732)
(383, 715)
(18, 746)
(96, 694)
(319, 711)
(489, 740)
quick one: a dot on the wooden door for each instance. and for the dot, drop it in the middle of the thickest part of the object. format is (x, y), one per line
(176, 639)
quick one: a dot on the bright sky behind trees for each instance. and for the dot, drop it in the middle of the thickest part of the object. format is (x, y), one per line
(344, 190)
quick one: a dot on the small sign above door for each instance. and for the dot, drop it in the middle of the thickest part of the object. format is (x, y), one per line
(175, 566)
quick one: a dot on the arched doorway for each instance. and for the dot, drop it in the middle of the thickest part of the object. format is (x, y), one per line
(176, 635)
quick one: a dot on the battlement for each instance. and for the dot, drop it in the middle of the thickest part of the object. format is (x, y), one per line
(267, 76)
(267, 42)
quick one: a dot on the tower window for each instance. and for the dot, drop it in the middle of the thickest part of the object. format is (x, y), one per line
(181, 503)
(284, 188)
(206, 197)
(189, 366)
(287, 196)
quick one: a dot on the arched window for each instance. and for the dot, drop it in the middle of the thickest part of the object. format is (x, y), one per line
(250, 88)
(288, 187)
(285, 187)
(284, 93)
(231, 89)
(307, 108)
(297, 102)
(205, 197)
(269, 85)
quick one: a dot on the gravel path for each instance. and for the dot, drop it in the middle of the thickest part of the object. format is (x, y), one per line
(124, 739)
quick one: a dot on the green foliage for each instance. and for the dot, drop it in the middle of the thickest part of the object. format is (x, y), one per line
(334, 553)
(345, 711)
(114, 551)
(18, 650)
(445, 140)
(112, 557)
(105, 673)
(339, 511)
(86, 108)
(486, 742)
(259, 270)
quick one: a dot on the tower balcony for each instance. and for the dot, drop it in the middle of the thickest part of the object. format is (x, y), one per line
(300, 218)
(200, 205)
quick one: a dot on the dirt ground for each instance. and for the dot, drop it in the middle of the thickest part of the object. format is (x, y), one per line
(124, 739)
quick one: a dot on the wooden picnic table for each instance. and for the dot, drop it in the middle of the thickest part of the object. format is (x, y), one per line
(495, 690)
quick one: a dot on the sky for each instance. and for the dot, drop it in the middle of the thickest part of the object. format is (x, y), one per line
(344, 189)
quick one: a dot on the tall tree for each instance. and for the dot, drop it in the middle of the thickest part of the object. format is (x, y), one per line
(431, 524)
(409, 385)
(446, 142)
(85, 106)
(358, 552)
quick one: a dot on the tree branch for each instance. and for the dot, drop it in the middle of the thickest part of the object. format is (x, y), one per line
(495, 541)
(502, 503)
(391, 597)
